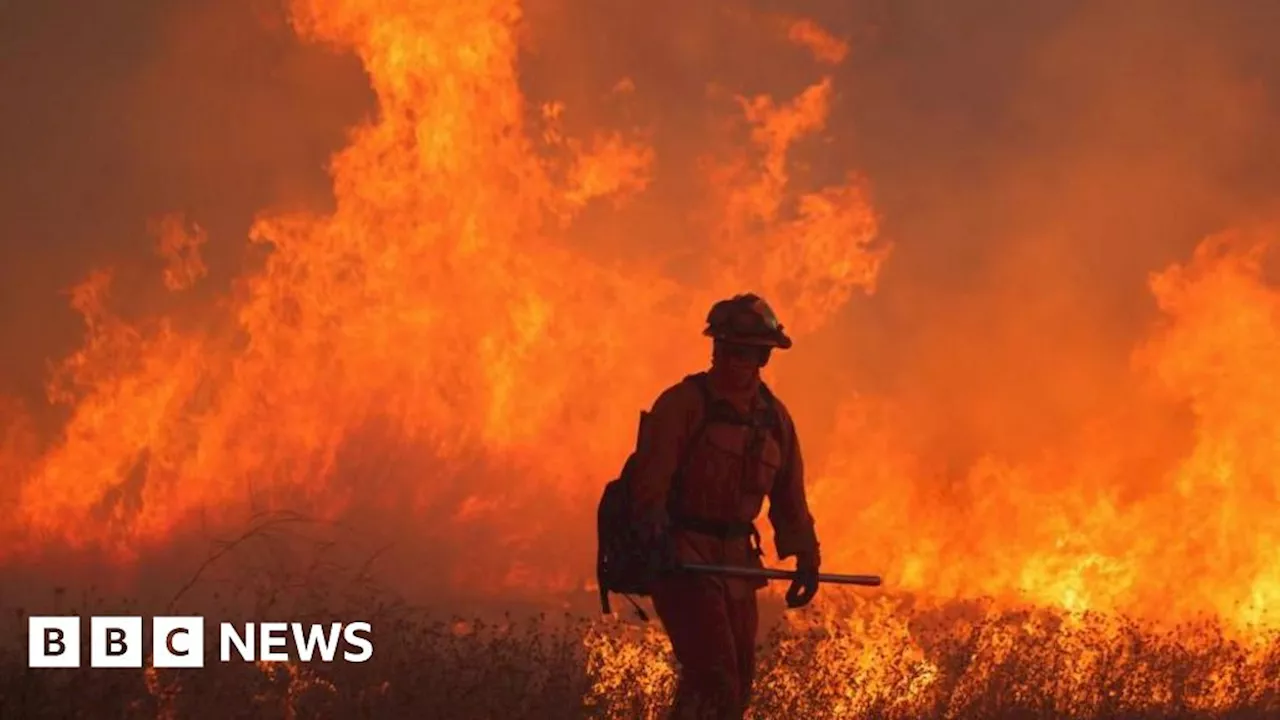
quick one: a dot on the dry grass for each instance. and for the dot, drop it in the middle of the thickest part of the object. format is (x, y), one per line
(883, 656)
(864, 662)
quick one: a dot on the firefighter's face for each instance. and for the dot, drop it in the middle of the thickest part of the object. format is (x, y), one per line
(740, 362)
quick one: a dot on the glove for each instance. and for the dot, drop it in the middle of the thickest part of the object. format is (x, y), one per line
(805, 584)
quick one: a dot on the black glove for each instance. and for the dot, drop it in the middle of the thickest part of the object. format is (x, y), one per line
(805, 584)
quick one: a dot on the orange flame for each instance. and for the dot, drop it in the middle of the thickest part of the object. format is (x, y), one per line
(180, 247)
(451, 313)
(446, 301)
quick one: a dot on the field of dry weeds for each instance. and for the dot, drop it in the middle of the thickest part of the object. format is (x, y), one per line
(875, 658)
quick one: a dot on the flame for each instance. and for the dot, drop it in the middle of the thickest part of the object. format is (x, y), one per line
(164, 693)
(180, 247)
(297, 681)
(457, 340)
(447, 301)
(825, 47)
(1075, 529)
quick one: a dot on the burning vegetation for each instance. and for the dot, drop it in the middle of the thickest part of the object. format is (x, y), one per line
(438, 373)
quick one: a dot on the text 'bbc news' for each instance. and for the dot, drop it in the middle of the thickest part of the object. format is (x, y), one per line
(179, 642)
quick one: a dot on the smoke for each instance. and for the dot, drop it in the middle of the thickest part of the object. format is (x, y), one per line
(1033, 165)
(118, 114)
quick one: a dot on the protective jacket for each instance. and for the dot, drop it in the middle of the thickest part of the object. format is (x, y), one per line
(705, 479)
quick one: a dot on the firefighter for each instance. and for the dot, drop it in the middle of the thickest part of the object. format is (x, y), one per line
(713, 448)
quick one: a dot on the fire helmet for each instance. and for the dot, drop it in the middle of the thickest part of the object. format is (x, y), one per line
(746, 320)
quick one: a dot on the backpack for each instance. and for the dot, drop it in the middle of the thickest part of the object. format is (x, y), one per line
(624, 564)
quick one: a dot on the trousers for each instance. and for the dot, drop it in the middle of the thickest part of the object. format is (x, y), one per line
(713, 635)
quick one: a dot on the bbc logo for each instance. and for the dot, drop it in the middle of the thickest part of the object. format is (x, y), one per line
(115, 642)
(178, 642)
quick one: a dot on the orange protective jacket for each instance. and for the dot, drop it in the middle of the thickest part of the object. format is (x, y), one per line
(726, 478)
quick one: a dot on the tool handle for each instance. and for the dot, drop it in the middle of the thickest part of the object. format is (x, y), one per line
(775, 574)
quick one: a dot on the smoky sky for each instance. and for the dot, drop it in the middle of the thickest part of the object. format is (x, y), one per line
(117, 113)
(1040, 155)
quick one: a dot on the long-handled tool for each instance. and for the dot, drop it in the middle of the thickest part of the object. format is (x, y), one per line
(774, 574)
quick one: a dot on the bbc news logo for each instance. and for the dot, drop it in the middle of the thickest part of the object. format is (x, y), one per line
(178, 642)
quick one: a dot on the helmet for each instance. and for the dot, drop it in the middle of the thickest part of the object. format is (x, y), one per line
(746, 320)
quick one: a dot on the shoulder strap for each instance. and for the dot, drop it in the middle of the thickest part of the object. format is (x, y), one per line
(779, 431)
(771, 410)
(699, 381)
